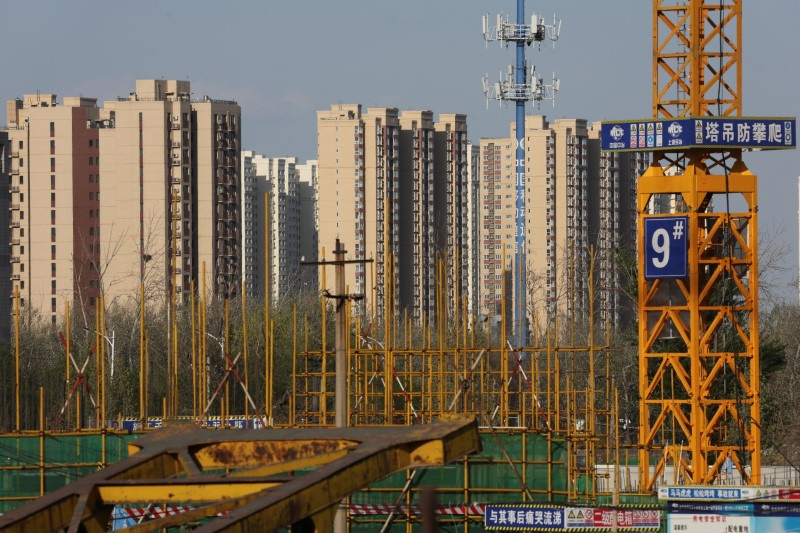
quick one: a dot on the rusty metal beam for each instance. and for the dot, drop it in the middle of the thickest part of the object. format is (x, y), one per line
(346, 459)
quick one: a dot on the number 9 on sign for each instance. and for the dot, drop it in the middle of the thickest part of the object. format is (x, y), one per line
(665, 250)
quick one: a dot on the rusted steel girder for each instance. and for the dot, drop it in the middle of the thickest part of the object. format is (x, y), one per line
(168, 466)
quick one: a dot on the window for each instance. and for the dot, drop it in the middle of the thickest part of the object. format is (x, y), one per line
(52, 234)
(52, 182)
(91, 160)
(91, 142)
(52, 129)
(91, 178)
(21, 145)
(52, 164)
(91, 195)
(52, 147)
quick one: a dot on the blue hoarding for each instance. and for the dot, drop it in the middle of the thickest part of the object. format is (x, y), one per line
(747, 133)
(666, 253)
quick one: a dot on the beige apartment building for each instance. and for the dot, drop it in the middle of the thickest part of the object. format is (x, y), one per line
(392, 188)
(576, 198)
(358, 177)
(417, 213)
(6, 289)
(144, 189)
(171, 208)
(451, 199)
(54, 205)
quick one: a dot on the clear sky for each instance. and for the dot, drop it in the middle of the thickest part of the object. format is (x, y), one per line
(284, 60)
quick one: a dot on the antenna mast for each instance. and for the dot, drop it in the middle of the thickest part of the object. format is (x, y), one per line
(520, 87)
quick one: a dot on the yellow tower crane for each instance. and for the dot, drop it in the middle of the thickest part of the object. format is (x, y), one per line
(698, 260)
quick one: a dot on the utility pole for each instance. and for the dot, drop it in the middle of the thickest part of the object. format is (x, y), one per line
(340, 394)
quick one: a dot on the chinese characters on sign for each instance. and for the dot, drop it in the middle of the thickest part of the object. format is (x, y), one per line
(707, 132)
(522, 518)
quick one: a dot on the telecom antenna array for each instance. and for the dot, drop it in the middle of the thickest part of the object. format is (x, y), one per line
(519, 86)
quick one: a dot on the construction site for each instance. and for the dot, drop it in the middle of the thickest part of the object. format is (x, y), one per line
(448, 424)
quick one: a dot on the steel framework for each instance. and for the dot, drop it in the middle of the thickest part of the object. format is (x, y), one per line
(697, 68)
(174, 466)
(699, 392)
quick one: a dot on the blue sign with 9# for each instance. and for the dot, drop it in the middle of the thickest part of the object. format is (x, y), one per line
(666, 253)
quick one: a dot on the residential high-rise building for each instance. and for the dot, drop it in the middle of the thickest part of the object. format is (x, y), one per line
(613, 224)
(418, 240)
(54, 207)
(359, 187)
(473, 227)
(450, 204)
(6, 287)
(393, 188)
(252, 237)
(309, 225)
(172, 203)
(276, 232)
(576, 199)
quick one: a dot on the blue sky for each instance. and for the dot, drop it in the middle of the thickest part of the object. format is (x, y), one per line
(284, 60)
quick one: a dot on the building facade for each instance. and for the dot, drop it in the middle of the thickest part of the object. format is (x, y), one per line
(393, 188)
(171, 211)
(359, 198)
(309, 222)
(54, 202)
(6, 286)
(577, 199)
(417, 213)
(274, 213)
(473, 227)
(451, 206)
(144, 190)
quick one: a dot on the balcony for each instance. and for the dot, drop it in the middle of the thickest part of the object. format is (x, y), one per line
(13, 154)
(15, 259)
(15, 223)
(15, 277)
(13, 241)
(176, 181)
(13, 188)
(175, 126)
(15, 207)
(15, 171)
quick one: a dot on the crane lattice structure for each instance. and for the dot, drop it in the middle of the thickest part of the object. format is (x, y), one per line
(698, 333)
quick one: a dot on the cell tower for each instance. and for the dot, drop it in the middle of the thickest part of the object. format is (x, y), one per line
(519, 86)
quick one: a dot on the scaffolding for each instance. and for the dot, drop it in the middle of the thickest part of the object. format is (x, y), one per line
(547, 413)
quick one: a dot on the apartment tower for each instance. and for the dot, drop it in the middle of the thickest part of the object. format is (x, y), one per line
(450, 204)
(417, 213)
(54, 205)
(359, 187)
(576, 199)
(171, 210)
